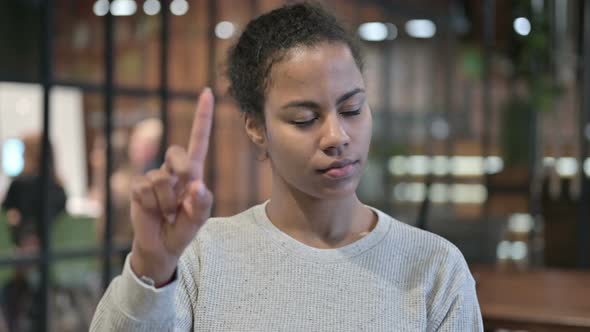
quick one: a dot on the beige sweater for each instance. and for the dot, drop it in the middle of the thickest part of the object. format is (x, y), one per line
(243, 274)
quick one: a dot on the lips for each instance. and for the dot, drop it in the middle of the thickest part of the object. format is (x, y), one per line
(340, 169)
(337, 164)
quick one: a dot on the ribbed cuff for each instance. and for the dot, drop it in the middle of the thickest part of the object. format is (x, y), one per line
(141, 301)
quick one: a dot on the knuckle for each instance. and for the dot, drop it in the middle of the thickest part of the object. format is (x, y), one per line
(141, 187)
(161, 178)
(174, 152)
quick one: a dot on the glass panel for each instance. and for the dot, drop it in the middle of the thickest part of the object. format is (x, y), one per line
(232, 18)
(74, 293)
(21, 127)
(135, 146)
(19, 294)
(78, 42)
(188, 66)
(137, 50)
(20, 135)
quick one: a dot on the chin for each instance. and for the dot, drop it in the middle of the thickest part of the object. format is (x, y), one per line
(337, 192)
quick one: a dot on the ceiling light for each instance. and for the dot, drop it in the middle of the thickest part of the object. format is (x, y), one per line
(101, 7)
(225, 30)
(421, 28)
(179, 7)
(373, 31)
(123, 7)
(151, 7)
(522, 26)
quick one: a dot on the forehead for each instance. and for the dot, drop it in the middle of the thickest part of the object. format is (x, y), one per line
(324, 70)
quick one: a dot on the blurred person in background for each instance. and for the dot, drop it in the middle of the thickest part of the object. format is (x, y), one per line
(22, 201)
(142, 155)
(313, 257)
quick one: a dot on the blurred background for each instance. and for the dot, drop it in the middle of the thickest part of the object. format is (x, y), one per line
(481, 130)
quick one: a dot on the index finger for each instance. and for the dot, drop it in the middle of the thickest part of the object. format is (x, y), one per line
(199, 140)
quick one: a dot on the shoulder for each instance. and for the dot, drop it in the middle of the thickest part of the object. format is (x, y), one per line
(418, 244)
(428, 259)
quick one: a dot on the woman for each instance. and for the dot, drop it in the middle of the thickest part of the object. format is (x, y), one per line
(312, 258)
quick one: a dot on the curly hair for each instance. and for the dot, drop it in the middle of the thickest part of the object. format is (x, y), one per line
(267, 40)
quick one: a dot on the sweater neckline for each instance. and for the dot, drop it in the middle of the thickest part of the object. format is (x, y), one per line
(310, 253)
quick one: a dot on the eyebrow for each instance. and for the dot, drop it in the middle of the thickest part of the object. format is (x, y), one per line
(314, 105)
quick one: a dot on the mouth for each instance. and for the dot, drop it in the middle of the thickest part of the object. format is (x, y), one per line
(339, 169)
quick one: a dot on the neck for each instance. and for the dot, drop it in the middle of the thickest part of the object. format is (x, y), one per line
(322, 223)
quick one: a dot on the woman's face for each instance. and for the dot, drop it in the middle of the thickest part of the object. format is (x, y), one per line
(317, 121)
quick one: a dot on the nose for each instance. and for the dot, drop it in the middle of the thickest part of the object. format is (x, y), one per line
(334, 136)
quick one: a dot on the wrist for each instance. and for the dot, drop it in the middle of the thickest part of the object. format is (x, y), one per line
(160, 271)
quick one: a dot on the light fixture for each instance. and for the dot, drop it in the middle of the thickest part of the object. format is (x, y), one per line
(13, 157)
(123, 7)
(468, 193)
(421, 28)
(548, 161)
(440, 165)
(504, 250)
(522, 26)
(101, 7)
(439, 129)
(439, 193)
(566, 166)
(397, 165)
(493, 164)
(519, 250)
(467, 165)
(179, 7)
(373, 31)
(520, 223)
(391, 31)
(151, 7)
(225, 30)
(418, 165)
(462, 193)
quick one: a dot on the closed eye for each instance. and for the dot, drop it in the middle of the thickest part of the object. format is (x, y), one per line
(351, 113)
(305, 123)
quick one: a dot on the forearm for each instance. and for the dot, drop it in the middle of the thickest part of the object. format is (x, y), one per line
(130, 305)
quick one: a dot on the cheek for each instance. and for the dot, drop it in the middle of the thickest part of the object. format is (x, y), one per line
(288, 149)
(367, 129)
(361, 131)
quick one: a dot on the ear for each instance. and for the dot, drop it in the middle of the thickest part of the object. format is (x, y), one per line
(255, 130)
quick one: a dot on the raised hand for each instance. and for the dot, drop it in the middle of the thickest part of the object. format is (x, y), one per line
(169, 205)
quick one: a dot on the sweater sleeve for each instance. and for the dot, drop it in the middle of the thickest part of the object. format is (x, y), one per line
(464, 312)
(458, 309)
(130, 305)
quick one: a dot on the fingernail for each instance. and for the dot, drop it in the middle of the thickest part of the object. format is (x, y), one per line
(201, 190)
(171, 218)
